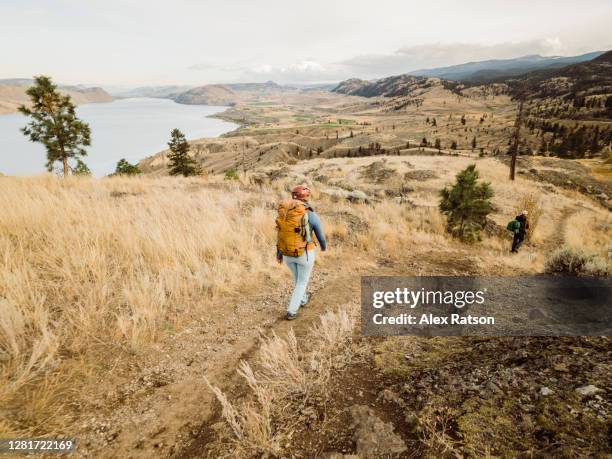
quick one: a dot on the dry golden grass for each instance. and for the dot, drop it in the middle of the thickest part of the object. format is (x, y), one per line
(90, 266)
(94, 271)
(531, 203)
(590, 231)
(287, 376)
(97, 268)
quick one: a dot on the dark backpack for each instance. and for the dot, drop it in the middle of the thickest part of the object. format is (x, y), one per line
(514, 226)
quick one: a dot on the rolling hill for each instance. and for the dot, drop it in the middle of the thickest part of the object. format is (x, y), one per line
(477, 73)
(495, 69)
(13, 94)
(226, 94)
(583, 80)
(212, 94)
(399, 85)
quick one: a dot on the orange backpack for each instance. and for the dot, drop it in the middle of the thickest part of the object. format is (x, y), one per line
(294, 233)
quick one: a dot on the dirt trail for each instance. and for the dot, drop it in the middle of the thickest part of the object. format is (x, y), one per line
(558, 238)
(168, 402)
(340, 289)
(165, 408)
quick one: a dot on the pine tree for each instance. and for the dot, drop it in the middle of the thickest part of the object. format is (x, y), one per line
(466, 205)
(81, 168)
(180, 161)
(437, 144)
(231, 174)
(453, 145)
(125, 168)
(54, 124)
(595, 147)
(543, 147)
(474, 143)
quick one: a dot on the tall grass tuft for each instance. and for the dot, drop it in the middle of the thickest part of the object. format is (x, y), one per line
(90, 267)
(531, 203)
(286, 378)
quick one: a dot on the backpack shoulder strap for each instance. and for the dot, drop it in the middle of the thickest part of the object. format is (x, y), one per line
(306, 230)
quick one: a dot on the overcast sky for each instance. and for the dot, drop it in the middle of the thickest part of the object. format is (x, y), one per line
(137, 42)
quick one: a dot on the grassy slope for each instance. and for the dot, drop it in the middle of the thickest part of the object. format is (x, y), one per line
(99, 276)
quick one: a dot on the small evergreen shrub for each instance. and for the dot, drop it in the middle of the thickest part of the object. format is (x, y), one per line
(125, 168)
(466, 205)
(231, 174)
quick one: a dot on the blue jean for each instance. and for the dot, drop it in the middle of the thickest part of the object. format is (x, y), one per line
(301, 268)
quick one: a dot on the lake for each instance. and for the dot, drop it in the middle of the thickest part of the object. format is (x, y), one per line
(126, 128)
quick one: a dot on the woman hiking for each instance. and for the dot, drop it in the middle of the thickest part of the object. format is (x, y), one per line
(296, 222)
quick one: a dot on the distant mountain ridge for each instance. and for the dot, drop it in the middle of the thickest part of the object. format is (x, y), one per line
(208, 94)
(402, 85)
(577, 91)
(162, 92)
(211, 94)
(13, 94)
(495, 69)
(591, 78)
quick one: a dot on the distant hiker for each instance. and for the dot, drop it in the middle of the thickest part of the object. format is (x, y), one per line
(519, 227)
(295, 222)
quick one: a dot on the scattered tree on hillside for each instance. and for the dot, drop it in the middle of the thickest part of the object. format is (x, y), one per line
(466, 205)
(453, 145)
(434, 122)
(543, 147)
(81, 168)
(473, 143)
(463, 120)
(54, 124)
(424, 142)
(594, 145)
(231, 174)
(437, 144)
(516, 137)
(125, 168)
(180, 161)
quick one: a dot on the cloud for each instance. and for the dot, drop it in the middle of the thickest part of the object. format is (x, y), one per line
(403, 60)
(305, 71)
(412, 58)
